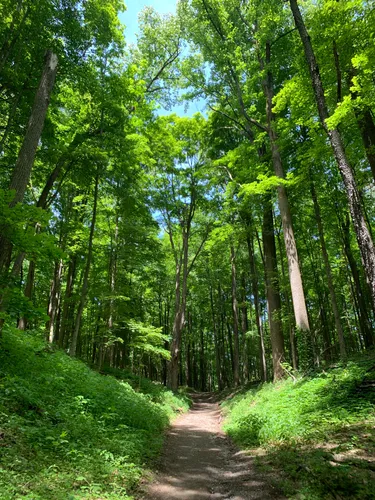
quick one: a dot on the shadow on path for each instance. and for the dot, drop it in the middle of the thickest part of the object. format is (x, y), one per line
(199, 462)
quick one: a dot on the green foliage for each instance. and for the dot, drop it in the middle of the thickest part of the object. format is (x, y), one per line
(68, 432)
(18, 223)
(294, 420)
(306, 409)
(148, 339)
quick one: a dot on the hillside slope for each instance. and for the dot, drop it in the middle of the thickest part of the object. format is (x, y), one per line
(317, 433)
(69, 432)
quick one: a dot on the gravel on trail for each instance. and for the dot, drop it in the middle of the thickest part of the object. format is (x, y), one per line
(199, 462)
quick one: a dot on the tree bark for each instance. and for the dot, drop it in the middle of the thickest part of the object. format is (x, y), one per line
(22, 322)
(236, 343)
(331, 288)
(85, 284)
(360, 298)
(180, 308)
(291, 325)
(63, 337)
(273, 295)
(363, 235)
(54, 300)
(255, 290)
(295, 276)
(25, 161)
(178, 325)
(218, 365)
(202, 362)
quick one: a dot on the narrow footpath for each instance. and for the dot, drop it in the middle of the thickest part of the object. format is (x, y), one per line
(199, 462)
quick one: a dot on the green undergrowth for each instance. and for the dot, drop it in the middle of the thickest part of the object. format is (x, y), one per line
(67, 432)
(314, 436)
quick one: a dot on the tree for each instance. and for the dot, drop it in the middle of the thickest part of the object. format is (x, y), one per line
(179, 190)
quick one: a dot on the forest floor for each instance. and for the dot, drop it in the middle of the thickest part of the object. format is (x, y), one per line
(200, 462)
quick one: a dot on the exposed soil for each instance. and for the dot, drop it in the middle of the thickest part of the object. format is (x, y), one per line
(199, 462)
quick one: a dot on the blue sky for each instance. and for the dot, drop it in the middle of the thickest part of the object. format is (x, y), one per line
(130, 19)
(134, 7)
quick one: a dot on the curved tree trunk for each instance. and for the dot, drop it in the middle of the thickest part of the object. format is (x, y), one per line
(363, 235)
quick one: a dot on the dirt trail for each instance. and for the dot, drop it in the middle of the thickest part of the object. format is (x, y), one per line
(199, 462)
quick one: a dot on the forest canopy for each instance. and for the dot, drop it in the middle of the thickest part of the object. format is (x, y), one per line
(212, 250)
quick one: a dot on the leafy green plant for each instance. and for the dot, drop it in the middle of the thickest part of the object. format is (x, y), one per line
(294, 419)
(69, 432)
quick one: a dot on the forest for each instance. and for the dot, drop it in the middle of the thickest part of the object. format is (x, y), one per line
(150, 258)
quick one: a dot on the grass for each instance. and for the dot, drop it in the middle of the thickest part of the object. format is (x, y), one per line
(314, 437)
(67, 432)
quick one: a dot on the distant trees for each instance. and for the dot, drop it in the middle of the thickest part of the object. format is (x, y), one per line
(212, 250)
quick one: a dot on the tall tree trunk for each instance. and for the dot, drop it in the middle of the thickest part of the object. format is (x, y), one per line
(255, 290)
(364, 239)
(236, 342)
(244, 375)
(331, 288)
(218, 365)
(202, 362)
(360, 298)
(22, 322)
(180, 309)
(295, 276)
(188, 352)
(22, 170)
(112, 270)
(54, 301)
(70, 279)
(291, 326)
(85, 284)
(273, 295)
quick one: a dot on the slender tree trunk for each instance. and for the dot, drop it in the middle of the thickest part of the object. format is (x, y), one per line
(22, 170)
(54, 301)
(218, 365)
(361, 298)
(178, 324)
(244, 375)
(103, 349)
(364, 239)
(85, 284)
(255, 290)
(202, 362)
(236, 343)
(291, 326)
(67, 301)
(180, 309)
(273, 295)
(22, 322)
(331, 288)
(295, 276)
